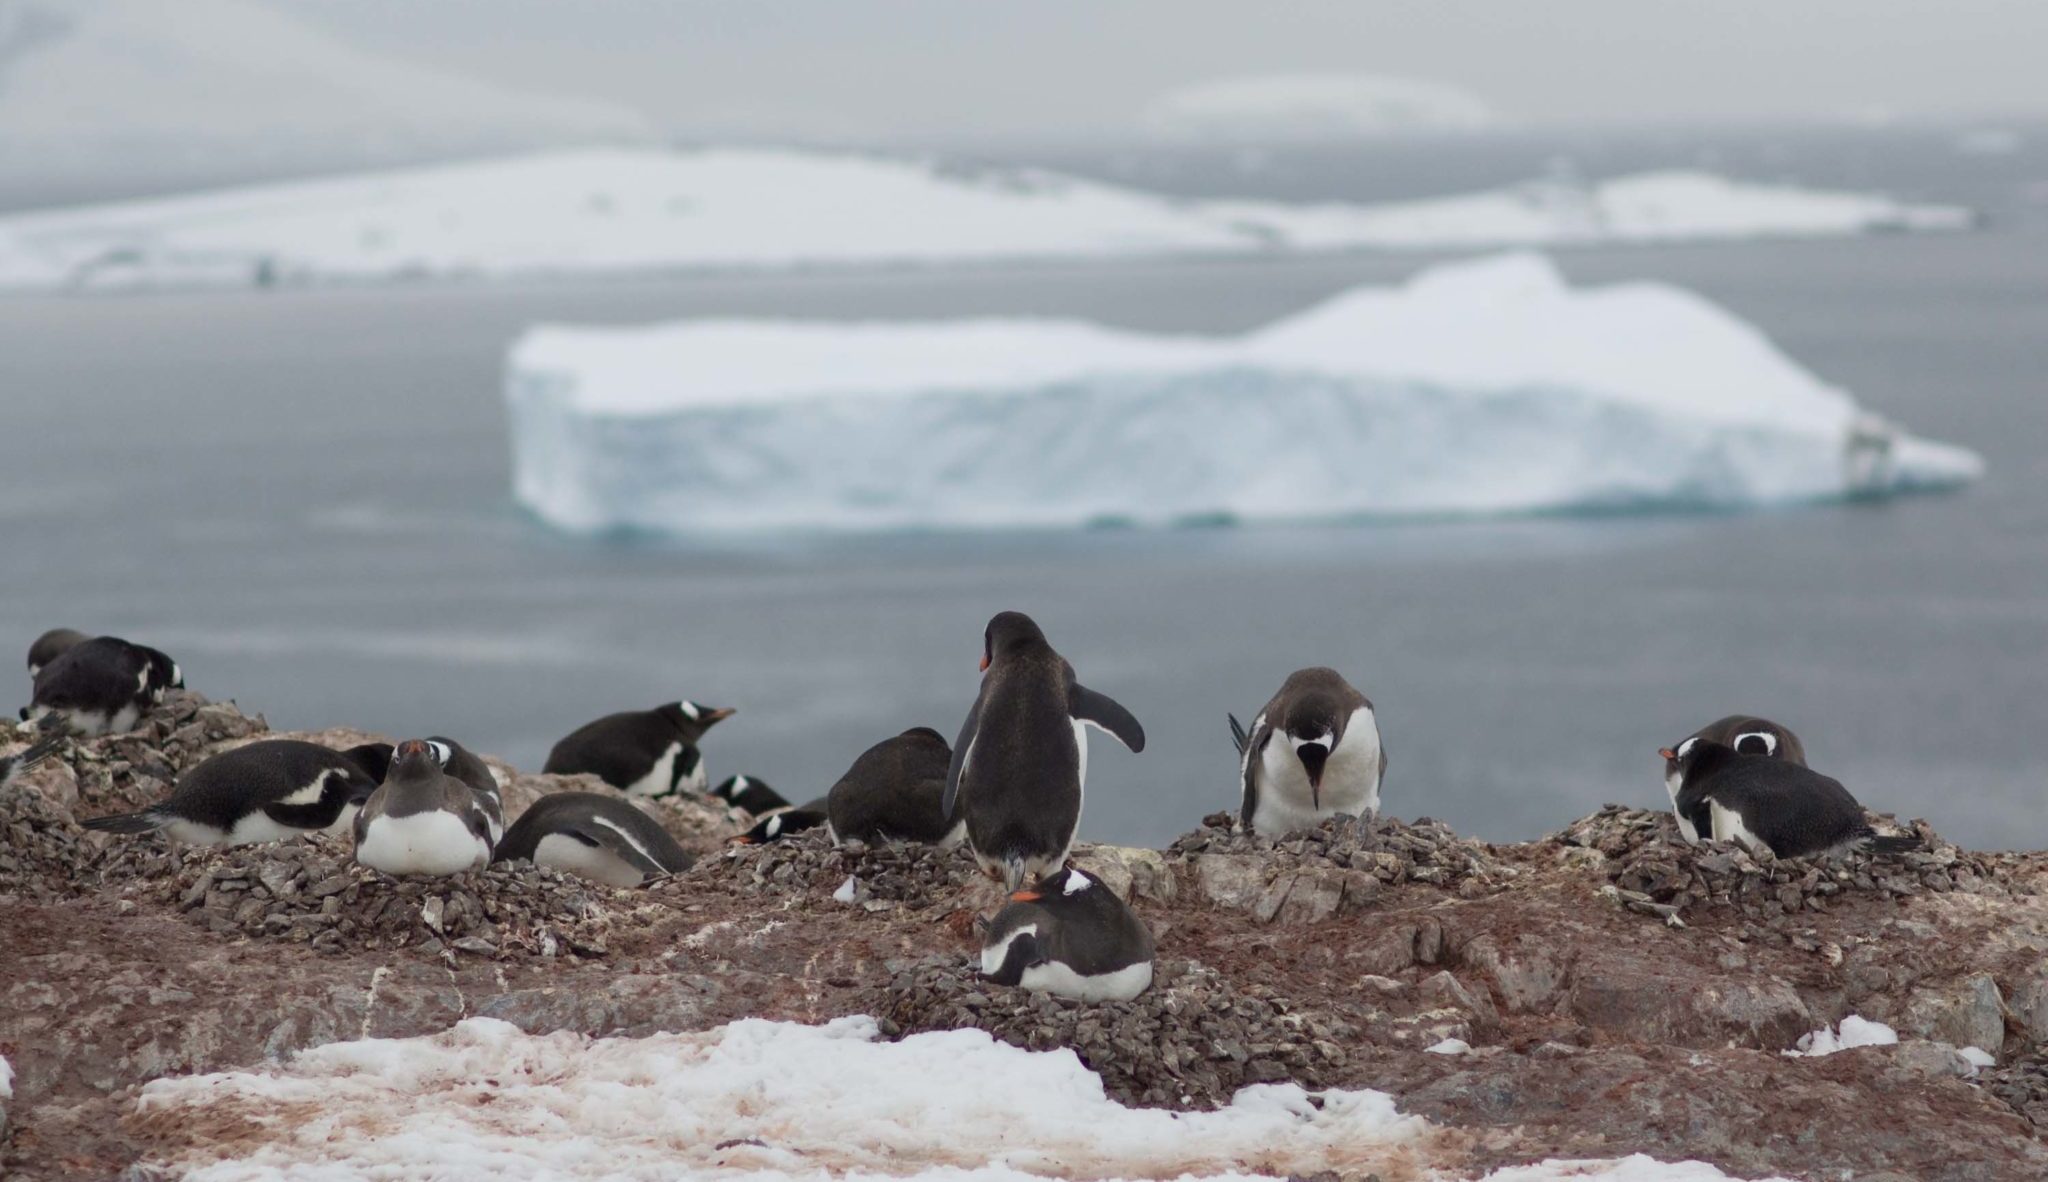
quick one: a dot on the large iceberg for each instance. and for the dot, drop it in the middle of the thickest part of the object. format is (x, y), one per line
(1478, 388)
(634, 210)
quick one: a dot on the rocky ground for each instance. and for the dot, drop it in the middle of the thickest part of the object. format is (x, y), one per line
(1619, 990)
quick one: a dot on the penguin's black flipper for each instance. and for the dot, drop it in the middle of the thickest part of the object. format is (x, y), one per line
(146, 821)
(1237, 734)
(624, 850)
(958, 763)
(1105, 713)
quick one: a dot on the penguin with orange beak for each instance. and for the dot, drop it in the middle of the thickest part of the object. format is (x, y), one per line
(1747, 734)
(1313, 752)
(1019, 767)
(641, 752)
(1070, 936)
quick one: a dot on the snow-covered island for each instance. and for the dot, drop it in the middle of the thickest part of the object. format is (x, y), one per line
(623, 210)
(1307, 108)
(1481, 388)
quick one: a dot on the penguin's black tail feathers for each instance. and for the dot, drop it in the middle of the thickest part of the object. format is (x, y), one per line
(1885, 843)
(1237, 733)
(146, 821)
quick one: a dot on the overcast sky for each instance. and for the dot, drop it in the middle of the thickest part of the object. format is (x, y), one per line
(893, 69)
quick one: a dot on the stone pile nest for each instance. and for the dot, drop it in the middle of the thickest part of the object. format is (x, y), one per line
(1392, 851)
(885, 877)
(121, 773)
(1657, 872)
(1190, 1041)
(44, 855)
(312, 891)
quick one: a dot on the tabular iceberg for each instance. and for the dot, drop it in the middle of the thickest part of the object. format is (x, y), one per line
(1479, 388)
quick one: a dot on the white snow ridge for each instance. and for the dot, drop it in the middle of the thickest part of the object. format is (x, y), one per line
(1481, 388)
(769, 1101)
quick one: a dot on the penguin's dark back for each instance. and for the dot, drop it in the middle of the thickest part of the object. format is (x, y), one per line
(1024, 771)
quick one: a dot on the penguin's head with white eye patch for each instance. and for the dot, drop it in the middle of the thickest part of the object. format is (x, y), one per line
(1008, 632)
(776, 826)
(1695, 752)
(415, 756)
(1757, 743)
(694, 718)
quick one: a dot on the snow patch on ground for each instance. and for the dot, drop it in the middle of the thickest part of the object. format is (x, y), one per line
(1449, 1046)
(1855, 1031)
(626, 210)
(1978, 1057)
(1479, 388)
(766, 1100)
(6, 1079)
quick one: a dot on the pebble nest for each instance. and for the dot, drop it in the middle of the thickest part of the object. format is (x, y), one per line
(311, 891)
(1190, 1041)
(1393, 851)
(43, 854)
(2023, 1085)
(1656, 872)
(886, 877)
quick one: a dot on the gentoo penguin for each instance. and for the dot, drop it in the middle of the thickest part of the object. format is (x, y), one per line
(641, 752)
(1021, 762)
(1770, 803)
(1744, 732)
(460, 762)
(1313, 752)
(422, 819)
(896, 791)
(783, 823)
(749, 795)
(266, 791)
(28, 757)
(1069, 935)
(101, 686)
(600, 837)
(51, 645)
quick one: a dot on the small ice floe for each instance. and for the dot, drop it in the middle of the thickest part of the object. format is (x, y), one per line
(1853, 1032)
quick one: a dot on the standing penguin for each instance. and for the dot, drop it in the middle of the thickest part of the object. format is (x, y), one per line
(596, 836)
(1020, 765)
(265, 791)
(423, 820)
(28, 757)
(896, 791)
(749, 795)
(640, 752)
(1069, 935)
(1314, 751)
(51, 645)
(101, 686)
(1769, 803)
(1747, 734)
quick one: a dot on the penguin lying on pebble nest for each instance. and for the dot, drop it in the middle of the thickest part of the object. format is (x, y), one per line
(266, 791)
(603, 838)
(1069, 935)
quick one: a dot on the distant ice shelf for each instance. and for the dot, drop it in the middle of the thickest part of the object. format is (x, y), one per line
(1482, 388)
(639, 210)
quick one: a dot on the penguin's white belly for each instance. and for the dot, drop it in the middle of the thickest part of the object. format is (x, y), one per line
(1351, 781)
(422, 843)
(1060, 980)
(696, 781)
(1685, 829)
(585, 861)
(1728, 826)
(661, 776)
(89, 723)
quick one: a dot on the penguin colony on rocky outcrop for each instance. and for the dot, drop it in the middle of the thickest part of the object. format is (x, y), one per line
(1012, 786)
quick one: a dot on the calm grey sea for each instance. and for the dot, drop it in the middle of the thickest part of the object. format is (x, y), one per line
(303, 494)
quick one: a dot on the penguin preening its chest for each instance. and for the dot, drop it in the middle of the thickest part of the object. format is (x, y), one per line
(1766, 802)
(1020, 766)
(1313, 752)
(784, 823)
(640, 752)
(265, 791)
(100, 686)
(604, 838)
(896, 791)
(749, 795)
(425, 820)
(1745, 733)
(35, 753)
(1069, 935)
(51, 645)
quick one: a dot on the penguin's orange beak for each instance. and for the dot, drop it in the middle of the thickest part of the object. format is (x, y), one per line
(1025, 897)
(742, 839)
(1667, 753)
(718, 715)
(984, 662)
